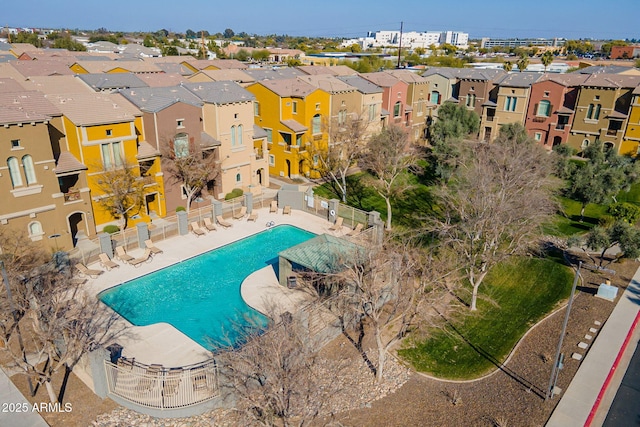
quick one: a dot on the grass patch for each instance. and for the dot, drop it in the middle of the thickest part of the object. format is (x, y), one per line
(569, 223)
(631, 196)
(521, 292)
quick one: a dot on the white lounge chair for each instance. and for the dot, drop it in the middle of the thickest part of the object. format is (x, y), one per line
(106, 262)
(222, 222)
(286, 210)
(274, 207)
(208, 224)
(195, 228)
(153, 248)
(84, 271)
(241, 213)
(146, 257)
(122, 255)
(253, 216)
(337, 226)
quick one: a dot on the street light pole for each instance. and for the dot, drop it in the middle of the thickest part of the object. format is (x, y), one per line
(16, 319)
(557, 362)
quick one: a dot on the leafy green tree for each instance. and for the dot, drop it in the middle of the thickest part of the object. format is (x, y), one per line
(601, 177)
(624, 211)
(546, 59)
(601, 239)
(606, 47)
(507, 66)
(228, 33)
(242, 55)
(69, 44)
(261, 55)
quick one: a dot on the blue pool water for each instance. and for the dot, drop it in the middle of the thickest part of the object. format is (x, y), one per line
(201, 296)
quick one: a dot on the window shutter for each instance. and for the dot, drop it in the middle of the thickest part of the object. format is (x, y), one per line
(550, 110)
(535, 109)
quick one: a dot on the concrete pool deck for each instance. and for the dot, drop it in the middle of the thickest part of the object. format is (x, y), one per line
(163, 344)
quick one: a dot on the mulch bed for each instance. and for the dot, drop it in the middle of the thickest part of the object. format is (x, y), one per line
(513, 396)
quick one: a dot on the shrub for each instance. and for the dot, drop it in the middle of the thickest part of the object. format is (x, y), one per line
(180, 208)
(111, 229)
(236, 192)
(625, 211)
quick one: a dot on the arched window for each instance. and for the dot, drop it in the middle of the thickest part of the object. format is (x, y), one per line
(238, 177)
(590, 111)
(181, 145)
(396, 109)
(315, 124)
(14, 171)
(35, 229)
(29, 171)
(239, 134)
(585, 143)
(233, 136)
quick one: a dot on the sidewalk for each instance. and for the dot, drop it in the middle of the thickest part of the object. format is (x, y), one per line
(581, 395)
(15, 401)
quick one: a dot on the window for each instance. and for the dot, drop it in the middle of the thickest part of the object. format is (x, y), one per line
(596, 114)
(239, 134)
(15, 143)
(272, 160)
(537, 136)
(14, 172)
(342, 117)
(315, 160)
(35, 229)
(29, 171)
(544, 108)
(585, 143)
(294, 107)
(181, 145)
(287, 139)
(435, 97)
(235, 115)
(299, 139)
(396, 109)
(238, 177)
(471, 100)
(233, 136)
(596, 98)
(546, 94)
(372, 112)
(510, 103)
(318, 106)
(109, 132)
(111, 155)
(180, 123)
(315, 124)
(256, 108)
(269, 135)
(590, 111)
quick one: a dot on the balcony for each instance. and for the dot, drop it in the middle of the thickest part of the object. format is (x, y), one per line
(490, 118)
(539, 119)
(560, 126)
(612, 132)
(72, 196)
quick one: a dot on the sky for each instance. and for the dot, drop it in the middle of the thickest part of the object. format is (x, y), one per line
(571, 19)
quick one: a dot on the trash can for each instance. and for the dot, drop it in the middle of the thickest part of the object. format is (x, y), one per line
(291, 282)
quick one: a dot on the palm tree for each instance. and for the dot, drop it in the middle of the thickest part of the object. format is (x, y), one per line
(546, 59)
(508, 66)
(523, 63)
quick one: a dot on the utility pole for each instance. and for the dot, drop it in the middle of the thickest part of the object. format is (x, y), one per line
(558, 361)
(400, 45)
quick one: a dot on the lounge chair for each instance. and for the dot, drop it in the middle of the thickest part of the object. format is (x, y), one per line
(195, 228)
(337, 226)
(274, 207)
(148, 381)
(222, 222)
(208, 224)
(356, 230)
(241, 214)
(106, 262)
(200, 382)
(172, 381)
(153, 248)
(253, 216)
(146, 257)
(122, 255)
(286, 210)
(84, 271)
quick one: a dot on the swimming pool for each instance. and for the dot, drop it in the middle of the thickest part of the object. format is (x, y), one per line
(201, 296)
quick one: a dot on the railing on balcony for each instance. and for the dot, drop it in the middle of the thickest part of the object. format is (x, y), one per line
(490, 118)
(539, 119)
(612, 132)
(72, 196)
(560, 126)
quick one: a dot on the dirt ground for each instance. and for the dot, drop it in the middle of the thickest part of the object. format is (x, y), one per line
(513, 396)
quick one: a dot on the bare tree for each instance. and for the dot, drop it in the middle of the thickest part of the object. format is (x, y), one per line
(189, 166)
(389, 156)
(63, 324)
(495, 205)
(273, 375)
(346, 142)
(122, 192)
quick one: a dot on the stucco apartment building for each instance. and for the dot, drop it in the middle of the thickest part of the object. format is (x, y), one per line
(43, 186)
(552, 104)
(418, 104)
(394, 98)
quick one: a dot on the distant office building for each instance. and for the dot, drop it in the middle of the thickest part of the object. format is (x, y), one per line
(410, 39)
(489, 43)
(625, 52)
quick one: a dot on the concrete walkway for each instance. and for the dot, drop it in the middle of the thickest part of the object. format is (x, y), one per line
(15, 401)
(580, 397)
